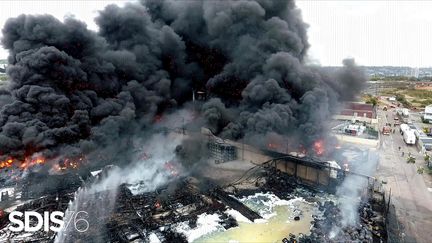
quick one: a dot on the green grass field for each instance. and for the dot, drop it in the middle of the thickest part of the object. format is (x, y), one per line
(418, 94)
(410, 97)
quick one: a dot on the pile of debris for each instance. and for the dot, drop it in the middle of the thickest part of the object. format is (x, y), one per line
(50, 203)
(327, 226)
(281, 184)
(155, 214)
(37, 184)
(138, 217)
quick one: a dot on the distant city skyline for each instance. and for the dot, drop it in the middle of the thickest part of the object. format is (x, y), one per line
(374, 33)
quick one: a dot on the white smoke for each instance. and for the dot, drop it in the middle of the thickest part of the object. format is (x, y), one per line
(350, 191)
(98, 199)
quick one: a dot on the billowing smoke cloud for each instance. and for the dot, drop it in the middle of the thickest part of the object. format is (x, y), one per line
(75, 91)
(364, 162)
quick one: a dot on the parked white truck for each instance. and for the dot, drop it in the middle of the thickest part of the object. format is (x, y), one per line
(405, 112)
(409, 137)
(404, 127)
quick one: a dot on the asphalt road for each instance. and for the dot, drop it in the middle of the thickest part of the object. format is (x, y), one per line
(411, 197)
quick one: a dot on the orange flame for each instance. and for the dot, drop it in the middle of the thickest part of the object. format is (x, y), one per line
(157, 119)
(169, 166)
(68, 163)
(272, 145)
(37, 160)
(157, 204)
(318, 147)
(22, 164)
(6, 164)
(31, 162)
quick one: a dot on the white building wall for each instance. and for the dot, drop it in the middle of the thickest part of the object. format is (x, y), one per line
(428, 113)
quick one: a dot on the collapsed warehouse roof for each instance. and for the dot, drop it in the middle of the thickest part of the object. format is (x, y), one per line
(139, 217)
(124, 210)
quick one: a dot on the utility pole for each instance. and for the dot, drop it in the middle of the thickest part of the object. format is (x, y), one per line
(183, 126)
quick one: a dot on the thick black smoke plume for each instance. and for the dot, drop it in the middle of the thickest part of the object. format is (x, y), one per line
(75, 91)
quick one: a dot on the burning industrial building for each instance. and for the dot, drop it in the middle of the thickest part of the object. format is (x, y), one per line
(74, 91)
(111, 123)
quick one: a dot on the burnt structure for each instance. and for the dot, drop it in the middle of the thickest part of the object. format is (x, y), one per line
(356, 109)
(134, 217)
(39, 184)
(45, 203)
(306, 170)
(222, 152)
(235, 204)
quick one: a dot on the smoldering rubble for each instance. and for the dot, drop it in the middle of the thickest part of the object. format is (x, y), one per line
(75, 91)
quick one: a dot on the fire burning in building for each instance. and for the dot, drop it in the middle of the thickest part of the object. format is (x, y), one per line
(27, 162)
(318, 147)
(68, 163)
(6, 164)
(249, 98)
(37, 161)
(79, 99)
(172, 168)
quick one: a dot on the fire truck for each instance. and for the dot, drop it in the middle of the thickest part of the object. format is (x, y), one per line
(386, 130)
